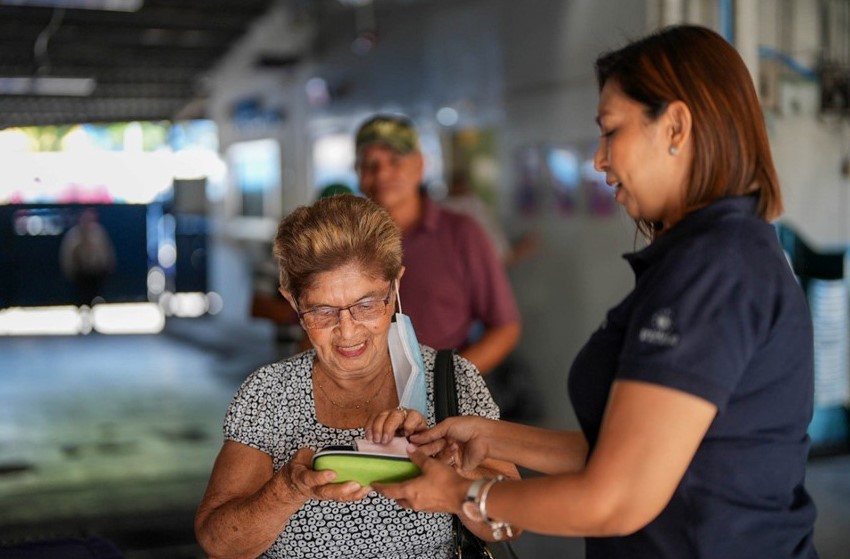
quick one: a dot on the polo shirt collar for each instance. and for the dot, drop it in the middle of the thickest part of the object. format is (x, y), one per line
(691, 223)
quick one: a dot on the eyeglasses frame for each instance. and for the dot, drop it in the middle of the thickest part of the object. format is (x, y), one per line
(385, 301)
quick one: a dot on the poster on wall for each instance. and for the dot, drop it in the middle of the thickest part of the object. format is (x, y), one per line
(563, 174)
(561, 177)
(528, 166)
(474, 161)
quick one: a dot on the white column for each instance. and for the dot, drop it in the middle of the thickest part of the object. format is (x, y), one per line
(672, 11)
(747, 35)
(660, 13)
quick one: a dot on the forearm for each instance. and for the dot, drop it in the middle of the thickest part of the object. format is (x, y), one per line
(564, 505)
(493, 347)
(244, 527)
(540, 450)
(648, 439)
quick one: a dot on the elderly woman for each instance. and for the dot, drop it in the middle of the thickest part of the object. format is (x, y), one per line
(340, 264)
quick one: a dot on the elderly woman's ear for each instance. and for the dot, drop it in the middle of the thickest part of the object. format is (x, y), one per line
(288, 296)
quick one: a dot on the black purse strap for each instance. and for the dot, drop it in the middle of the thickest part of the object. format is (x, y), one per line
(445, 390)
(445, 405)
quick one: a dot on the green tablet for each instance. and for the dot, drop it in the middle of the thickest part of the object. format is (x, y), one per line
(364, 467)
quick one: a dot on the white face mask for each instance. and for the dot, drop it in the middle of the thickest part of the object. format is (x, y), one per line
(406, 358)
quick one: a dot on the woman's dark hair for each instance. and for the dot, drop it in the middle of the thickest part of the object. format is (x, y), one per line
(334, 232)
(697, 66)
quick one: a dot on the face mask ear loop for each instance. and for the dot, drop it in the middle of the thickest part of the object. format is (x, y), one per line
(398, 298)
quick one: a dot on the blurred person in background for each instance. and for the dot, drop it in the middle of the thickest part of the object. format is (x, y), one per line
(455, 278)
(87, 257)
(695, 394)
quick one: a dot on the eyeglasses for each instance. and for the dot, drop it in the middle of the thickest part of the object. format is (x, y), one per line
(362, 311)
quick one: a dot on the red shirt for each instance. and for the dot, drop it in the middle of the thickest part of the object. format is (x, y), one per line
(453, 278)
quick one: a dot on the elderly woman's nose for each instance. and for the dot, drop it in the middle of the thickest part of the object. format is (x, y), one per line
(346, 321)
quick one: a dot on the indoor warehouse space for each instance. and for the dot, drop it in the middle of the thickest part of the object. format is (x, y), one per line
(172, 136)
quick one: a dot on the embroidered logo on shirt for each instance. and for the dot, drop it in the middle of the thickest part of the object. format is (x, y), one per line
(660, 331)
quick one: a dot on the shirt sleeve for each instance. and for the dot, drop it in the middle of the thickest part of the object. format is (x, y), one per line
(473, 396)
(492, 296)
(249, 419)
(695, 326)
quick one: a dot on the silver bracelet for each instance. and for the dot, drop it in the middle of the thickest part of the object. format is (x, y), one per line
(499, 529)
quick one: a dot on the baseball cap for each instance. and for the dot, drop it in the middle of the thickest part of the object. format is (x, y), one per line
(335, 189)
(396, 132)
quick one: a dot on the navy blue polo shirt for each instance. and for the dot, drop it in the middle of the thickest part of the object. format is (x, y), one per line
(716, 312)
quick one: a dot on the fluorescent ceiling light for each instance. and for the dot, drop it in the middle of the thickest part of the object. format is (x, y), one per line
(47, 85)
(109, 5)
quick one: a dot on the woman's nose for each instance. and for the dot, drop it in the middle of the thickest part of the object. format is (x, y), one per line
(600, 157)
(346, 323)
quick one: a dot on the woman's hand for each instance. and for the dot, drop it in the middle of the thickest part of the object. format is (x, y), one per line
(382, 427)
(438, 489)
(462, 437)
(310, 484)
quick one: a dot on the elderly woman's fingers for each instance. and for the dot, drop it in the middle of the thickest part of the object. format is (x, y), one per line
(414, 422)
(348, 491)
(300, 476)
(312, 484)
(383, 426)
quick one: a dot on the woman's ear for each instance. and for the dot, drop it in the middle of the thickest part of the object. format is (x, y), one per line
(290, 299)
(680, 124)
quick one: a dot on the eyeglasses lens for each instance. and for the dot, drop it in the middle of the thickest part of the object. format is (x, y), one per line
(329, 316)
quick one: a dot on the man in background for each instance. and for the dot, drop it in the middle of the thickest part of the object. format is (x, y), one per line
(453, 279)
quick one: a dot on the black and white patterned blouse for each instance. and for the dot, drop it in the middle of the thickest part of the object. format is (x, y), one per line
(274, 412)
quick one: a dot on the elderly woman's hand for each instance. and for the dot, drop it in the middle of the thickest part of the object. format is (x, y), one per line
(310, 484)
(382, 427)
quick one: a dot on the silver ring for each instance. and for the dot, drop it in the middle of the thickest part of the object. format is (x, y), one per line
(403, 411)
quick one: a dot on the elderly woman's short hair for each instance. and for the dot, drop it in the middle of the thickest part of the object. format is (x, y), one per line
(332, 233)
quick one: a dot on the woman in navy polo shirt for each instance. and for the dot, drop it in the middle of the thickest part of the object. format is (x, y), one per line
(695, 394)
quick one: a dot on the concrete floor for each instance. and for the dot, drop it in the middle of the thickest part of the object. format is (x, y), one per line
(115, 436)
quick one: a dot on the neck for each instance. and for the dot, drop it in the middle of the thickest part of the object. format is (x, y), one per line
(407, 215)
(353, 392)
(348, 405)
